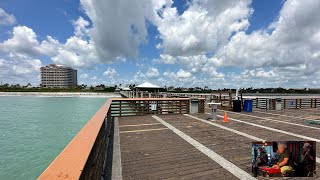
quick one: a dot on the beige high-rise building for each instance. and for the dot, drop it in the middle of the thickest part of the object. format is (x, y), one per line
(58, 76)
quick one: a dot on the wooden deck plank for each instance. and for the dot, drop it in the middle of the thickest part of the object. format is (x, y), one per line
(160, 155)
(164, 155)
(267, 134)
(215, 139)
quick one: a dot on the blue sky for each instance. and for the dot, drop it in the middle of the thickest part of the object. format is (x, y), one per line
(180, 43)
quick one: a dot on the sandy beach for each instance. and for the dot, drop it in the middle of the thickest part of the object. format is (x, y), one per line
(60, 94)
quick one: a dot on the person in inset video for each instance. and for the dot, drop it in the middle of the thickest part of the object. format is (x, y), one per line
(261, 160)
(308, 159)
(285, 160)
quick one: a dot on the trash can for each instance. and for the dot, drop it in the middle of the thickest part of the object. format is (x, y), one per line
(247, 105)
(194, 106)
(236, 106)
(214, 108)
(278, 104)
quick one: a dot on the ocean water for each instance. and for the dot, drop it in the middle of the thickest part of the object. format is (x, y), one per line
(33, 130)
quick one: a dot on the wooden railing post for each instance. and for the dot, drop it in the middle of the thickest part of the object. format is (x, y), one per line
(120, 108)
(267, 104)
(300, 103)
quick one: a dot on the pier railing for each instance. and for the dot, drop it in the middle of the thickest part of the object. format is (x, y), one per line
(85, 157)
(300, 103)
(145, 106)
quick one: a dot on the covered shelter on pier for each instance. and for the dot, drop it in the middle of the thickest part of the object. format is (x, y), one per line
(146, 86)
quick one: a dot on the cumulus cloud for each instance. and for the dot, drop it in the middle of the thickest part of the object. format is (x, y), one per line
(22, 41)
(166, 59)
(290, 41)
(203, 41)
(84, 76)
(80, 27)
(152, 72)
(202, 28)
(180, 74)
(118, 26)
(21, 70)
(76, 52)
(79, 51)
(259, 73)
(6, 19)
(110, 72)
(183, 74)
(21, 51)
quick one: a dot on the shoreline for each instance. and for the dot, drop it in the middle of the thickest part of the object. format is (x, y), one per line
(60, 94)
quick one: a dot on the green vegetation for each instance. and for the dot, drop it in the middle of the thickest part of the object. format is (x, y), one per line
(80, 88)
(102, 88)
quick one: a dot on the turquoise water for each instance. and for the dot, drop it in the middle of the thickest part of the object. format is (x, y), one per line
(33, 131)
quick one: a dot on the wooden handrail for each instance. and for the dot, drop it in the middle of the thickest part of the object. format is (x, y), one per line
(142, 106)
(150, 99)
(72, 159)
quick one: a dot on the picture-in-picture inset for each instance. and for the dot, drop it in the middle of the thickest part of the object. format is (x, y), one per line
(284, 159)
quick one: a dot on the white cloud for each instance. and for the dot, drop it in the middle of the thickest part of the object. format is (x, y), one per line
(199, 63)
(20, 70)
(76, 52)
(140, 65)
(80, 27)
(259, 73)
(203, 41)
(6, 19)
(23, 41)
(290, 41)
(118, 26)
(48, 47)
(202, 28)
(183, 74)
(180, 74)
(165, 59)
(110, 72)
(84, 76)
(152, 72)
(139, 76)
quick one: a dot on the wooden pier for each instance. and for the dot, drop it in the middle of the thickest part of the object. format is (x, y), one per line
(160, 145)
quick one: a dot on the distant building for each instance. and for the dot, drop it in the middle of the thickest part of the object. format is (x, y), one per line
(58, 76)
